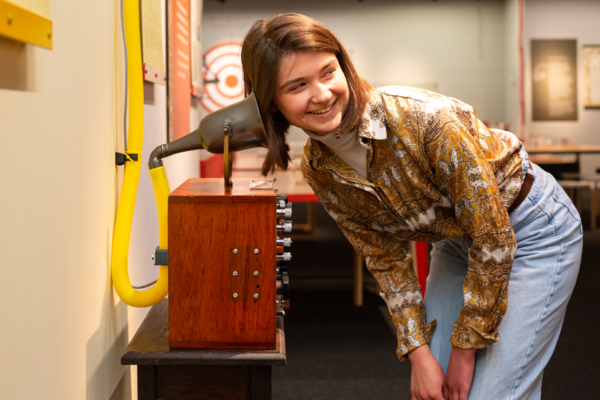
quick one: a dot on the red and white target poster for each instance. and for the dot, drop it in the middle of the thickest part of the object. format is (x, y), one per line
(223, 76)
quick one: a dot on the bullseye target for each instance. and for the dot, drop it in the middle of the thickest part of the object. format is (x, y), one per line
(223, 76)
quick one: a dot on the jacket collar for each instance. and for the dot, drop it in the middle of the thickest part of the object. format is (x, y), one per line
(372, 125)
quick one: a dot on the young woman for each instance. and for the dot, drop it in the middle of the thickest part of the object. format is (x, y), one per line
(396, 164)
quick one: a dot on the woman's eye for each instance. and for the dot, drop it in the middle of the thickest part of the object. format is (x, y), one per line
(330, 72)
(296, 87)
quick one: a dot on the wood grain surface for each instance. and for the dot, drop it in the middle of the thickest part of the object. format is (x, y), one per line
(213, 234)
(199, 382)
(562, 148)
(212, 190)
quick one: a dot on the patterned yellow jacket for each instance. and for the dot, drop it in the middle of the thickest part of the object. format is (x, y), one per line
(433, 171)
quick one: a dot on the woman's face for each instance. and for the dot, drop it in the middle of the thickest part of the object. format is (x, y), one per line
(312, 92)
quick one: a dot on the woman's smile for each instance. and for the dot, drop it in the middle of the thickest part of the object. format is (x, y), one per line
(323, 111)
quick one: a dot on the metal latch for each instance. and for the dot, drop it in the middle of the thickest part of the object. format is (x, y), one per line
(265, 184)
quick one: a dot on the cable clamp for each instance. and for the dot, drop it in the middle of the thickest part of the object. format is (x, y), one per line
(121, 158)
(161, 256)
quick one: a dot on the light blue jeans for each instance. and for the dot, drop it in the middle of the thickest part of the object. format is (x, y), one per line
(549, 244)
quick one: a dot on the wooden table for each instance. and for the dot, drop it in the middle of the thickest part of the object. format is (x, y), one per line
(552, 156)
(576, 149)
(198, 374)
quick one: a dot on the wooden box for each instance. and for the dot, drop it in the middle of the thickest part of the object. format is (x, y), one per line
(222, 266)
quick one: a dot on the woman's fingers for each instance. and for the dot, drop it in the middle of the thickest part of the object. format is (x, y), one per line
(460, 373)
(427, 377)
(445, 391)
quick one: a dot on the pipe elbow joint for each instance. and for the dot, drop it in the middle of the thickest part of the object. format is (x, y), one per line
(156, 157)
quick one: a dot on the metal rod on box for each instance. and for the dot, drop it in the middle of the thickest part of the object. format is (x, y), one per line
(226, 155)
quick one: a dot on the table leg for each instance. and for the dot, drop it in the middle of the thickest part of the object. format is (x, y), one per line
(261, 383)
(146, 382)
(306, 231)
(212, 382)
(594, 205)
(357, 276)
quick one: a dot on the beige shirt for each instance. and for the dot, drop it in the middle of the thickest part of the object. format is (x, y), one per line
(347, 147)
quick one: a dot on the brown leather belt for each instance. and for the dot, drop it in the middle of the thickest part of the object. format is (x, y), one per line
(525, 187)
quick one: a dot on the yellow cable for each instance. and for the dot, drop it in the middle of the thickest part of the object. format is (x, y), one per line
(122, 233)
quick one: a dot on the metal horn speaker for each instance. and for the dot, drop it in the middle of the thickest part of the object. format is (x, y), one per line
(233, 128)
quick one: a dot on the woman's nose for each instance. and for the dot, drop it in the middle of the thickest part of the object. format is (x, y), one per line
(321, 93)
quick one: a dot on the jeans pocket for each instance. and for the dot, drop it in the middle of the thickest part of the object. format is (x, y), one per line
(531, 212)
(561, 197)
(565, 216)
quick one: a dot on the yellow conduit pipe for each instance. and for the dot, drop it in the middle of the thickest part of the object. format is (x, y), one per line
(122, 232)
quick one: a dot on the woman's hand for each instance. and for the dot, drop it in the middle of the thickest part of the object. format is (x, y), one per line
(427, 377)
(460, 373)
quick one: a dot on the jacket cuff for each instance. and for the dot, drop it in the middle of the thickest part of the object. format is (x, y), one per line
(471, 335)
(413, 331)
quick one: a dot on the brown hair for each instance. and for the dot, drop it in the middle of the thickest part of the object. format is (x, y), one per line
(265, 45)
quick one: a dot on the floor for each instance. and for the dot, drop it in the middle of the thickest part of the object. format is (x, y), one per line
(338, 351)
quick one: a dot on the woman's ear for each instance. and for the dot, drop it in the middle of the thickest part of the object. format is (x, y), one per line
(272, 108)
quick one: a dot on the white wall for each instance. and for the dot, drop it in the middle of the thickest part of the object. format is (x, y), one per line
(455, 47)
(555, 19)
(64, 329)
